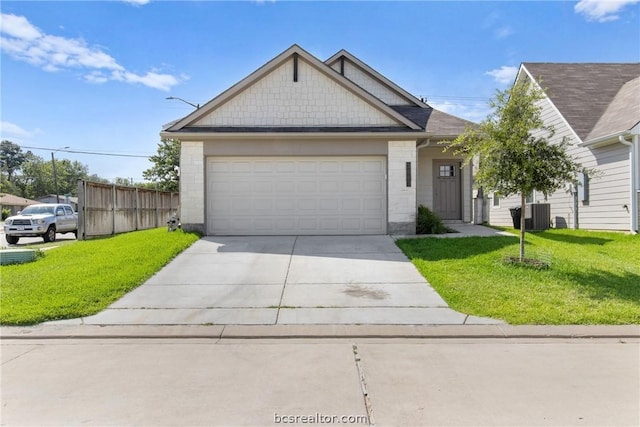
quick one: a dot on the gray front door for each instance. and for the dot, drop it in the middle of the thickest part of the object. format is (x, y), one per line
(447, 189)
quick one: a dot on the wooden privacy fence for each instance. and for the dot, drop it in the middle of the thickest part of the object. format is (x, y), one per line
(105, 209)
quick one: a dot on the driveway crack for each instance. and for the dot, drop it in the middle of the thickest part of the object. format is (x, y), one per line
(363, 385)
(286, 277)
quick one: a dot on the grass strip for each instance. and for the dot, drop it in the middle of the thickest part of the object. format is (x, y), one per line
(83, 278)
(594, 277)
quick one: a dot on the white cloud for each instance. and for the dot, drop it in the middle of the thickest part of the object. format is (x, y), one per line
(602, 10)
(494, 22)
(503, 32)
(24, 42)
(12, 130)
(137, 2)
(504, 74)
(159, 81)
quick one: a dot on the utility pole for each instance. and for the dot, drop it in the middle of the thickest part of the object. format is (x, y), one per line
(55, 175)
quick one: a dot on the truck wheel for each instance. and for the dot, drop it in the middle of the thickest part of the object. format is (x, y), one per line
(12, 240)
(50, 235)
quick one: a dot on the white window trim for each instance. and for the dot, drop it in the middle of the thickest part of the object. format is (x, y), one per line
(493, 203)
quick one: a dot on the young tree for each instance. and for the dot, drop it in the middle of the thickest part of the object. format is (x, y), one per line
(166, 165)
(514, 149)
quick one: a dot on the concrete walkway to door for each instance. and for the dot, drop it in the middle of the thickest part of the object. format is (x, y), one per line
(286, 280)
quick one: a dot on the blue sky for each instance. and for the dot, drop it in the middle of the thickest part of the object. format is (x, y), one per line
(94, 75)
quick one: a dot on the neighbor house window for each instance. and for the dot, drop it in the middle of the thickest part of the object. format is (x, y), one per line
(496, 200)
(529, 198)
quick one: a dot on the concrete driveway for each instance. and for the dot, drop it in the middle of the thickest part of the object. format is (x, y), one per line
(286, 280)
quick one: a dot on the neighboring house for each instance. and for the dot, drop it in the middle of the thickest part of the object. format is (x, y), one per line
(14, 203)
(51, 198)
(302, 146)
(598, 107)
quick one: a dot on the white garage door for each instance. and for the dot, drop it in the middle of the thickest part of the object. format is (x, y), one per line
(296, 195)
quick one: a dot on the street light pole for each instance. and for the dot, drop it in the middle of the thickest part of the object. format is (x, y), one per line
(196, 106)
(55, 175)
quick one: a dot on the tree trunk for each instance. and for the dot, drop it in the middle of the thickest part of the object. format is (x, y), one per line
(523, 205)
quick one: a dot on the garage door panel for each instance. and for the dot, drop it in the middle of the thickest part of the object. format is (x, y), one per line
(351, 186)
(308, 167)
(285, 187)
(241, 166)
(373, 167)
(351, 167)
(284, 207)
(374, 187)
(351, 205)
(307, 187)
(328, 205)
(373, 205)
(296, 195)
(331, 166)
(328, 186)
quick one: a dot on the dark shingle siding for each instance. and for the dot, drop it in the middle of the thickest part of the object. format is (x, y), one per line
(582, 91)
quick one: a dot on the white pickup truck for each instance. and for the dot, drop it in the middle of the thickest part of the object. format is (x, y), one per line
(43, 220)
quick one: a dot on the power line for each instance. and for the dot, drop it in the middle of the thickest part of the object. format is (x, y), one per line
(95, 153)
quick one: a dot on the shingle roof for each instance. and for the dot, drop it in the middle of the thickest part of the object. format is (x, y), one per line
(583, 92)
(434, 121)
(13, 200)
(622, 114)
(419, 117)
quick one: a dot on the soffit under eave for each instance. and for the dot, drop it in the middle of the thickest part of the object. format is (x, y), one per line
(243, 84)
(208, 136)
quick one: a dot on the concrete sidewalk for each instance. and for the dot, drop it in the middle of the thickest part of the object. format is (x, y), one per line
(286, 280)
(212, 382)
(63, 330)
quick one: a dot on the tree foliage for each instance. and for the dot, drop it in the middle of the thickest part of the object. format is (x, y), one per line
(514, 148)
(31, 176)
(11, 158)
(166, 166)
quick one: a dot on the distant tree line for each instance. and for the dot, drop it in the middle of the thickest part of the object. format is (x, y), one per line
(28, 175)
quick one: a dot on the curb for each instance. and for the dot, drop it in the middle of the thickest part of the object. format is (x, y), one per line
(503, 331)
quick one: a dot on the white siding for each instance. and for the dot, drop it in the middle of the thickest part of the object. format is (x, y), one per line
(608, 191)
(314, 100)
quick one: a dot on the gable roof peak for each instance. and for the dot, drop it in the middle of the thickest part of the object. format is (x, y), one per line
(343, 53)
(583, 92)
(275, 62)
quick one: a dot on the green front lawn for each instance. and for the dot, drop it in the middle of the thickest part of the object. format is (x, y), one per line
(84, 278)
(594, 277)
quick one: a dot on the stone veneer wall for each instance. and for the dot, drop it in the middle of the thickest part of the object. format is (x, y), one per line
(314, 100)
(192, 185)
(402, 199)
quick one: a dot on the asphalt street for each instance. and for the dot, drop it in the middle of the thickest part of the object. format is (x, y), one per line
(24, 241)
(383, 382)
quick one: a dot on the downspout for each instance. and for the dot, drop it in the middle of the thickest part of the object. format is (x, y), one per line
(634, 178)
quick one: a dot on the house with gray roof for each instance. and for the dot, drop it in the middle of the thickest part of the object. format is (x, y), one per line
(14, 203)
(305, 146)
(596, 105)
